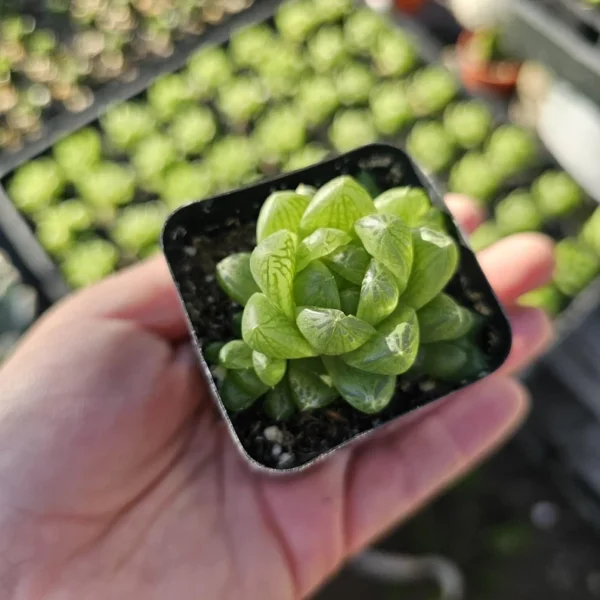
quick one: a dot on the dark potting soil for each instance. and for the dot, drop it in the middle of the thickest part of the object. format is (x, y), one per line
(306, 435)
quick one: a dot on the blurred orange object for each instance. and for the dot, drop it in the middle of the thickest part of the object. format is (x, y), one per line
(497, 76)
(410, 6)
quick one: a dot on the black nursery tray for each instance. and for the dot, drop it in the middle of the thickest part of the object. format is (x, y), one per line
(58, 122)
(198, 236)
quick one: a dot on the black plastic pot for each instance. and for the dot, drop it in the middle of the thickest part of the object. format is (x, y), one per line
(198, 235)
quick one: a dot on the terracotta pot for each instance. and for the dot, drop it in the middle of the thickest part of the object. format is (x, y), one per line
(410, 6)
(498, 77)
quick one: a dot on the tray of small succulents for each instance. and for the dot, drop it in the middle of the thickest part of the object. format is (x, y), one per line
(62, 60)
(316, 78)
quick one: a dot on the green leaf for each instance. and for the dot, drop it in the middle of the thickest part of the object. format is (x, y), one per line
(378, 295)
(281, 210)
(279, 402)
(316, 286)
(273, 266)
(248, 381)
(434, 219)
(233, 396)
(393, 350)
(211, 352)
(236, 355)
(366, 392)
(266, 329)
(338, 204)
(435, 263)
(311, 386)
(235, 278)
(331, 332)
(407, 203)
(387, 239)
(318, 244)
(269, 370)
(453, 361)
(349, 300)
(350, 262)
(443, 319)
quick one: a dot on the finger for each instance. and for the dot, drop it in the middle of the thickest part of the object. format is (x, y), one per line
(466, 212)
(396, 475)
(334, 510)
(518, 264)
(532, 333)
(144, 293)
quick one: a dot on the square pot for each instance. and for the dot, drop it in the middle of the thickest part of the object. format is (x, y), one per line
(197, 236)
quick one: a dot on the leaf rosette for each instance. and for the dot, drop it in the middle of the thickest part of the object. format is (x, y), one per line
(343, 295)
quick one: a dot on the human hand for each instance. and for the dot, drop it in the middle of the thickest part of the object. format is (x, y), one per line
(119, 481)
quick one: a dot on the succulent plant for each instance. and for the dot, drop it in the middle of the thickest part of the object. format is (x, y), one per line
(511, 150)
(231, 160)
(557, 195)
(332, 10)
(547, 298)
(250, 46)
(431, 146)
(56, 226)
(106, 186)
(576, 266)
(300, 350)
(431, 90)
(326, 49)
(394, 53)
(590, 233)
(36, 184)
(207, 70)
(474, 176)
(518, 213)
(306, 156)
(485, 235)
(242, 99)
(469, 123)
(151, 157)
(354, 84)
(279, 132)
(185, 182)
(351, 129)
(295, 20)
(317, 99)
(390, 107)
(138, 227)
(362, 28)
(282, 70)
(89, 262)
(127, 124)
(193, 129)
(169, 94)
(78, 152)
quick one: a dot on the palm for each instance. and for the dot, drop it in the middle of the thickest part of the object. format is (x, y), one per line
(124, 483)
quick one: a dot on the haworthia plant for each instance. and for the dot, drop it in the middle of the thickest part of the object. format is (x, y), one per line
(342, 295)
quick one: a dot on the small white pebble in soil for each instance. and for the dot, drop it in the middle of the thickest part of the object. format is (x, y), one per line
(210, 299)
(545, 515)
(276, 451)
(427, 386)
(483, 309)
(189, 250)
(273, 434)
(179, 232)
(285, 460)
(209, 278)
